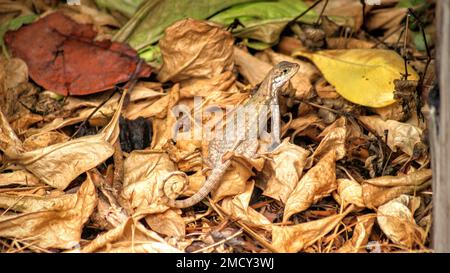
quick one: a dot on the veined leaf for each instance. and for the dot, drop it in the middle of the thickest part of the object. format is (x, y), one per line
(164, 13)
(362, 76)
(264, 21)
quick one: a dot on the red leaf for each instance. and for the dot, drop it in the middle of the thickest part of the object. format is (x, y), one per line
(63, 57)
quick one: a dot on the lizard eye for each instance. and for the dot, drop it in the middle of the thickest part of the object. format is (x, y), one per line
(285, 71)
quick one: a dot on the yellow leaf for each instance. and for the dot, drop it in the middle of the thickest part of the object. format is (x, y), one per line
(362, 76)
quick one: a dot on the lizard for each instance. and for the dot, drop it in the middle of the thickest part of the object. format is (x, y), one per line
(219, 147)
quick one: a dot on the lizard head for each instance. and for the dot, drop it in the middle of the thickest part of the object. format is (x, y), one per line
(282, 73)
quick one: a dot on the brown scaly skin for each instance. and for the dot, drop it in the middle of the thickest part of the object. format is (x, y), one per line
(218, 147)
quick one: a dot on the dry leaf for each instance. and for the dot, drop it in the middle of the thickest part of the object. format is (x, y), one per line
(375, 194)
(128, 237)
(350, 192)
(403, 136)
(193, 48)
(19, 177)
(333, 138)
(252, 68)
(58, 224)
(169, 223)
(57, 165)
(66, 59)
(283, 170)
(361, 235)
(238, 208)
(362, 76)
(143, 171)
(297, 237)
(317, 183)
(397, 222)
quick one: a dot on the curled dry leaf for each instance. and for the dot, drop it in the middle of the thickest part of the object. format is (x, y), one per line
(233, 181)
(238, 207)
(396, 220)
(401, 136)
(380, 190)
(317, 183)
(297, 237)
(283, 170)
(143, 170)
(193, 48)
(66, 59)
(19, 177)
(361, 235)
(252, 68)
(224, 82)
(350, 192)
(54, 223)
(57, 165)
(169, 223)
(333, 138)
(362, 76)
(128, 237)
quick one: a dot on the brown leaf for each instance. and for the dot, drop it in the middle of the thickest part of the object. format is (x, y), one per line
(401, 136)
(283, 170)
(317, 183)
(65, 58)
(143, 171)
(19, 177)
(380, 190)
(169, 223)
(361, 235)
(56, 222)
(238, 207)
(297, 237)
(193, 48)
(397, 222)
(57, 165)
(129, 236)
(350, 192)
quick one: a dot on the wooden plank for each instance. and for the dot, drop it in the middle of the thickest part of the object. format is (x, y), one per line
(440, 139)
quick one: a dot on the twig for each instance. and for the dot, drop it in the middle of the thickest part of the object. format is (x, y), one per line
(239, 232)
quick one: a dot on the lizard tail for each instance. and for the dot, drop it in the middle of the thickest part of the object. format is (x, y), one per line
(211, 182)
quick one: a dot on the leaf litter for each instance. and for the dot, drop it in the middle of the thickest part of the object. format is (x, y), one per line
(352, 169)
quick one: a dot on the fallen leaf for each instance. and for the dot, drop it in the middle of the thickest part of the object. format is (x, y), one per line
(169, 223)
(362, 76)
(58, 225)
(19, 177)
(128, 237)
(264, 20)
(361, 234)
(162, 14)
(317, 183)
(396, 220)
(238, 207)
(57, 165)
(297, 237)
(143, 171)
(350, 192)
(283, 170)
(66, 59)
(400, 135)
(378, 191)
(192, 48)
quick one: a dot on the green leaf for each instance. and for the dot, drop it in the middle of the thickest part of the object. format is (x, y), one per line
(14, 24)
(264, 21)
(126, 7)
(410, 3)
(164, 13)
